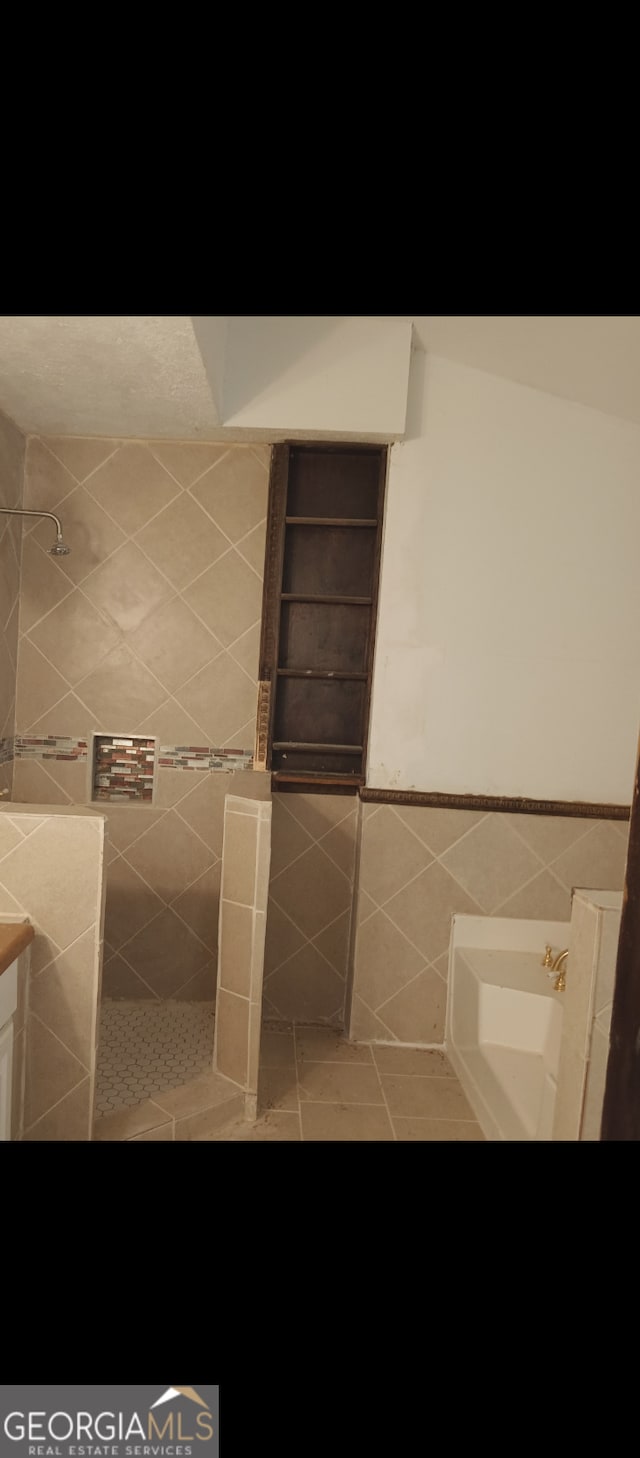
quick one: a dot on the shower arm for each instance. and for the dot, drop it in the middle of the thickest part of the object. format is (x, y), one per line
(22, 511)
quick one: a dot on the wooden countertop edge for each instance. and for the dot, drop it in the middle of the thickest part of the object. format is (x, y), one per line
(14, 937)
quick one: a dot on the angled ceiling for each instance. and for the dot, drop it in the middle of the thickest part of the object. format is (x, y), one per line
(212, 378)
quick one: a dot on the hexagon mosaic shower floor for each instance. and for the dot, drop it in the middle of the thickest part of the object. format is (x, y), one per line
(146, 1048)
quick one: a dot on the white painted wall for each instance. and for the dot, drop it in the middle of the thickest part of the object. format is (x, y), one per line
(331, 376)
(508, 647)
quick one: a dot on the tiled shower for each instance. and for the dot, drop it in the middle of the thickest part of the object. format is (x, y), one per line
(128, 680)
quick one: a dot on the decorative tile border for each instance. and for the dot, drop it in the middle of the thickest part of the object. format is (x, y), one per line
(123, 767)
(192, 757)
(51, 746)
(6, 751)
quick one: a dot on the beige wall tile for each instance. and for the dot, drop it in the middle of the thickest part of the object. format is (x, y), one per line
(186, 461)
(69, 716)
(333, 942)
(364, 1024)
(127, 588)
(416, 1014)
(246, 651)
(199, 904)
(390, 857)
(74, 637)
(72, 777)
(64, 997)
(234, 492)
(222, 699)
(239, 858)
(318, 814)
(438, 829)
(43, 584)
(166, 954)
(32, 785)
(174, 644)
(338, 1122)
(236, 937)
(542, 899)
(288, 839)
(491, 862)
(169, 856)
(46, 481)
(170, 724)
(282, 939)
(69, 1120)
(232, 1036)
(252, 548)
(424, 909)
(40, 686)
(385, 961)
(597, 860)
(51, 1071)
(87, 530)
(62, 905)
(331, 891)
(120, 981)
(340, 845)
(203, 805)
(595, 1085)
(121, 694)
(228, 597)
(201, 987)
(130, 903)
(132, 486)
(182, 541)
(126, 823)
(549, 835)
(306, 989)
(82, 455)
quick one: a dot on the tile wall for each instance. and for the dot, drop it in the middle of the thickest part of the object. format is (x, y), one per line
(419, 866)
(51, 868)
(12, 450)
(313, 860)
(150, 627)
(243, 914)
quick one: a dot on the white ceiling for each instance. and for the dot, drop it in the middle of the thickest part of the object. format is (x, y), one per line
(145, 376)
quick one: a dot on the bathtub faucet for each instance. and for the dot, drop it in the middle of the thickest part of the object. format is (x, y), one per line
(557, 966)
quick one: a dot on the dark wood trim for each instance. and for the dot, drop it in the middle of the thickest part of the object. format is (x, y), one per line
(621, 1105)
(274, 552)
(506, 803)
(373, 615)
(314, 785)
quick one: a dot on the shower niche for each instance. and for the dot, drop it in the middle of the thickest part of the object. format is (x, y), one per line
(123, 768)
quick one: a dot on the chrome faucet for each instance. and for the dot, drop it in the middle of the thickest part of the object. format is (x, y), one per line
(557, 966)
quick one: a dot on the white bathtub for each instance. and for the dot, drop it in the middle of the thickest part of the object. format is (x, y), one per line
(504, 1022)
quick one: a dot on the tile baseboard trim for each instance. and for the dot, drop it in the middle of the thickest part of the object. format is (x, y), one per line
(512, 805)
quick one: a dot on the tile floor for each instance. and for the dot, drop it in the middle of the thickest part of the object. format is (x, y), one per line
(147, 1048)
(314, 1086)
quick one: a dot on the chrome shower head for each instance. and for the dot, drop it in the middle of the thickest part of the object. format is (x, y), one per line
(59, 548)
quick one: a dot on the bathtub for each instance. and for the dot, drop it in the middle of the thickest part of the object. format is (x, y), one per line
(504, 1022)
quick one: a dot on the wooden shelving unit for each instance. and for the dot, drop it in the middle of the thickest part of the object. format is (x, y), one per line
(321, 586)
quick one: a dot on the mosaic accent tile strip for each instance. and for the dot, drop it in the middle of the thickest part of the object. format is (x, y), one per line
(189, 756)
(51, 746)
(6, 751)
(123, 767)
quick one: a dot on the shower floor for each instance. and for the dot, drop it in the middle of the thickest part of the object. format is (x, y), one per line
(146, 1048)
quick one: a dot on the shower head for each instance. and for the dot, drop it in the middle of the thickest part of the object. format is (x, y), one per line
(59, 548)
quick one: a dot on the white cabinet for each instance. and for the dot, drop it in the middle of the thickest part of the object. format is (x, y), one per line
(8, 1005)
